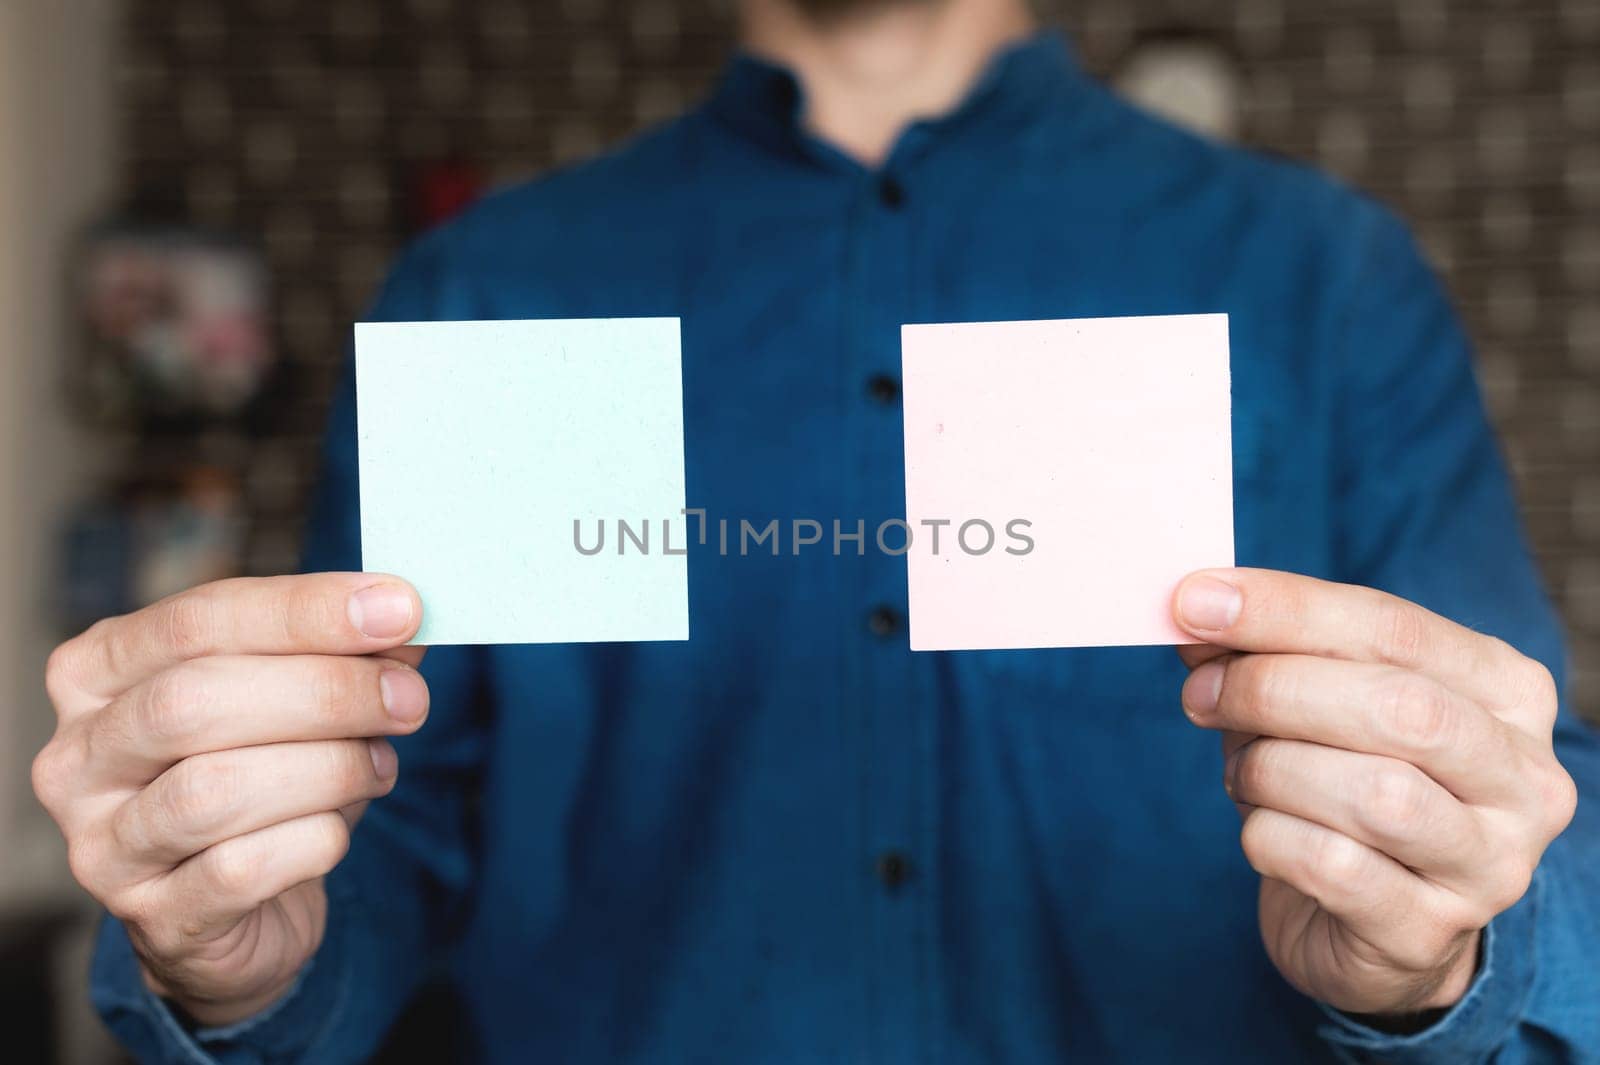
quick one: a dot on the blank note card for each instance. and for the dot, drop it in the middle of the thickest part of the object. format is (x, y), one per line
(1108, 437)
(482, 443)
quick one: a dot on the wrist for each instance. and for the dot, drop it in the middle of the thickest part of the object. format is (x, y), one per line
(1446, 988)
(1458, 976)
(215, 1011)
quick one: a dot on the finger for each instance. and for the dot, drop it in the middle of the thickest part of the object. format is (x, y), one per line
(1365, 708)
(353, 813)
(320, 613)
(215, 704)
(1389, 805)
(1194, 654)
(206, 799)
(1265, 610)
(409, 655)
(1232, 742)
(221, 885)
(1401, 917)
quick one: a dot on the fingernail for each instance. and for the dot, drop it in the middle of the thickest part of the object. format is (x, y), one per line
(1206, 604)
(1203, 689)
(1228, 768)
(385, 762)
(405, 694)
(382, 611)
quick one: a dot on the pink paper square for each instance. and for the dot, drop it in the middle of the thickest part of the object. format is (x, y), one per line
(1110, 436)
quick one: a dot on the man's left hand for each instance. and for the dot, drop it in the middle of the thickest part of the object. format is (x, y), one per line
(1394, 770)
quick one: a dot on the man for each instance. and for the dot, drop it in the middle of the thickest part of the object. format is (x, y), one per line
(790, 839)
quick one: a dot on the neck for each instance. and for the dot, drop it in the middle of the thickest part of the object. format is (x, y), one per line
(872, 68)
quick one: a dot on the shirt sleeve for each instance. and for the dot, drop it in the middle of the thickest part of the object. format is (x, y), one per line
(1426, 511)
(396, 900)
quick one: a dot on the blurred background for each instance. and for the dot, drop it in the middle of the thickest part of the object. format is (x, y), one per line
(198, 196)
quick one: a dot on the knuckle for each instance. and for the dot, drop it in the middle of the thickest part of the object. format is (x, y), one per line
(1255, 684)
(1271, 595)
(52, 777)
(234, 868)
(189, 622)
(164, 936)
(335, 771)
(1396, 803)
(86, 860)
(337, 686)
(304, 610)
(1558, 794)
(140, 910)
(1335, 860)
(170, 708)
(328, 841)
(1543, 693)
(1402, 633)
(351, 768)
(1456, 914)
(61, 671)
(200, 788)
(1508, 881)
(127, 827)
(1416, 714)
(1254, 839)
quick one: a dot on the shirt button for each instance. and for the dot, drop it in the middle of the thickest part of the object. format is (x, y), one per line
(891, 193)
(893, 869)
(883, 621)
(883, 388)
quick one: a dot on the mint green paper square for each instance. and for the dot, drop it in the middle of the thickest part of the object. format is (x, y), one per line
(481, 443)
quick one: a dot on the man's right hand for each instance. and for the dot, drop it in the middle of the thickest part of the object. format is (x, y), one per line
(211, 755)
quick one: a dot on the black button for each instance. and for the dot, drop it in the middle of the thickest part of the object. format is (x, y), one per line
(891, 193)
(893, 869)
(883, 621)
(883, 388)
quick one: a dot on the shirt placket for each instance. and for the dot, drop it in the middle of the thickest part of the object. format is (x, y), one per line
(895, 729)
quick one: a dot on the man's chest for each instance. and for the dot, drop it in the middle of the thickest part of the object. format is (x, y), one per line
(791, 322)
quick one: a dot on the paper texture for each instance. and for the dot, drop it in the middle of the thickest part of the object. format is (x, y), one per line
(1110, 436)
(482, 442)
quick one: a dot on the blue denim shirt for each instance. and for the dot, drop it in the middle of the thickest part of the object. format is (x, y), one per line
(790, 839)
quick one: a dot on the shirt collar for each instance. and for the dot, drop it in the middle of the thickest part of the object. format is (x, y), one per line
(764, 100)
